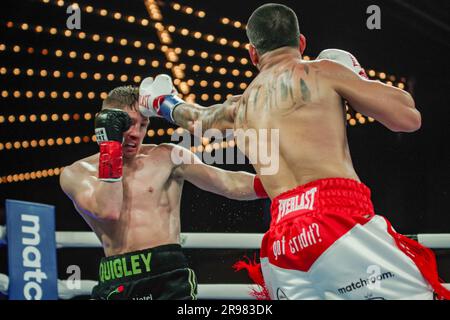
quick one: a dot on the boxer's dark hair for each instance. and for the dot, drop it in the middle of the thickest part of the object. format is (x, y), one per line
(122, 97)
(273, 26)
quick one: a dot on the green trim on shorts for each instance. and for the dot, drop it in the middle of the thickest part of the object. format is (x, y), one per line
(193, 283)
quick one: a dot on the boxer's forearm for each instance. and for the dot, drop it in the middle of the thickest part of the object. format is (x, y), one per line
(108, 199)
(406, 118)
(186, 114)
(230, 184)
(216, 116)
(239, 185)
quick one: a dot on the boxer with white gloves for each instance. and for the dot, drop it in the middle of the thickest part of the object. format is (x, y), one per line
(345, 58)
(159, 98)
(325, 241)
(130, 196)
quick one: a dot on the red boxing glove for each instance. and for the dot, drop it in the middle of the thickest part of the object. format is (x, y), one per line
(259, 188)
(110, 161)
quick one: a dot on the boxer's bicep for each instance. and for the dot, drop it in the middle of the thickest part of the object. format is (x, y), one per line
(393, 107)
(78, 188)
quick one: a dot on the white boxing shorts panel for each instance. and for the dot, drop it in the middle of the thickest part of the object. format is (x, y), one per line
(363, 264)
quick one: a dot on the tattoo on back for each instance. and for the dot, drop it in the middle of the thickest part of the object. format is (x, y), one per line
(277, 92)
(306, 94)
(306, 69)
(255, 97)
(285, 83)
(272, 95)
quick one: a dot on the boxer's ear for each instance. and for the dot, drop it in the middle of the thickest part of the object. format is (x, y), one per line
(253, 54)
(302, 43)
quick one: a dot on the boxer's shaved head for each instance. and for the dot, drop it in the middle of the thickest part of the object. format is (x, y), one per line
(273, 26)
(122, 97)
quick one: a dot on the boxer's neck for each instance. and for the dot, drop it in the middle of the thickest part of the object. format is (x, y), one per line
(130, 161)
(278, 55)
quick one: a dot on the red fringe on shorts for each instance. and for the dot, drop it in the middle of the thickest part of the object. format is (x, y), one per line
(255, 273)
(424, 259)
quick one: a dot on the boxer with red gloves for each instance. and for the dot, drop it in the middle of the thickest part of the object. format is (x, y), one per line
(325, 241)
(130, 195)
(110, 124)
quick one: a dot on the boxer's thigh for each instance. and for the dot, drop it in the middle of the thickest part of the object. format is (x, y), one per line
(366, 263)
(287, 284)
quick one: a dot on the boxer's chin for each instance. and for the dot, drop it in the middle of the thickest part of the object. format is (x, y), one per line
(130, 151)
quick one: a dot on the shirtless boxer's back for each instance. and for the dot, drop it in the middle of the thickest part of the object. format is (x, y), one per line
(325, 241)
(290, 95)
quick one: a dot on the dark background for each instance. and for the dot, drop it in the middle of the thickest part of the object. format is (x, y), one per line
(409, 174)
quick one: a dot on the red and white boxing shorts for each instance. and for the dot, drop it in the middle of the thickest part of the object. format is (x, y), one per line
(325, 242)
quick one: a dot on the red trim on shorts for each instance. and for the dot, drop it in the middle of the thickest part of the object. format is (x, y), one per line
(424, 259)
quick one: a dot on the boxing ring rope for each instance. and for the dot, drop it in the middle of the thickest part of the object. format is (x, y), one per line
(77, 239)
(88, 239)
(68, 239)
(205, 291)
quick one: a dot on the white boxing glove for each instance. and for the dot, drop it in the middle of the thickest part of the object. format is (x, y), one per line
(158, 98)
(345, 58)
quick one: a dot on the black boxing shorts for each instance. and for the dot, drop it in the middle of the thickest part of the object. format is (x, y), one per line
(159, 273)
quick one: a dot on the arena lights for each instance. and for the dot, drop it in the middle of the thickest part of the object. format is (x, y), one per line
(153, 10)
(222, 71)
(42, 143)
(33, 175)
(206, 146)
(187, 10)
(137, 44)
(190, 98)
(165, 39)
(184, 87)
(233, 23)
(388, 79)
(354, 118)
(95, 37)
(185, 32)
(54, 94)
(100, 58)
(215, 84)
(105, 13)
(161, 132)
(44, 117)
(201, 14)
